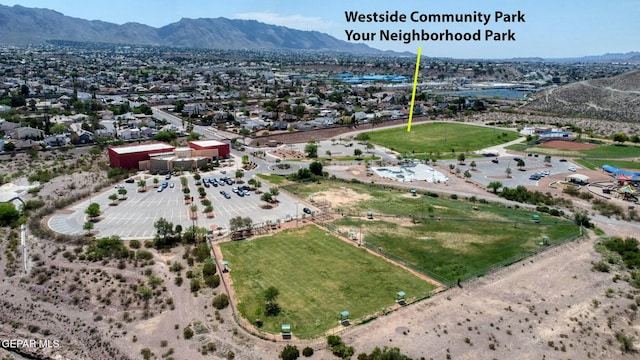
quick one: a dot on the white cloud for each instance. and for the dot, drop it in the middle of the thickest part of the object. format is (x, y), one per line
(296, 21)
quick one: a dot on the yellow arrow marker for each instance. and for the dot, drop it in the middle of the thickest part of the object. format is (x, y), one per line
(413, 91)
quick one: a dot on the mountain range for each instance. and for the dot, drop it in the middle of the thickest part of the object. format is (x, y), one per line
(22, 26)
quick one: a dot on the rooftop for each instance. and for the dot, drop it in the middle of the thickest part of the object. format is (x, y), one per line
(207, 143)
(141, 148)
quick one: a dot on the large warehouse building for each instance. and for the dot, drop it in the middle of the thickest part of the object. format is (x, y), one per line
(129, 156)
(164, 157)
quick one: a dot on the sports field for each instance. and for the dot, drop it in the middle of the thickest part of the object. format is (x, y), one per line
(622, 156)
(443, 238)
(444, 138)
(318, 276)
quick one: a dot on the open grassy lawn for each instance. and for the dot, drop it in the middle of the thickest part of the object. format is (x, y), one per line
(603, 152)
(464, 243)
(443, 138)
(594, 164)
(317, 275)
(273, 179)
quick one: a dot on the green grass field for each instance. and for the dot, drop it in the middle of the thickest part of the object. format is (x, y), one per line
(608, 151)
(443, 138)
(595, 164)
(464, 243)
(317, 276)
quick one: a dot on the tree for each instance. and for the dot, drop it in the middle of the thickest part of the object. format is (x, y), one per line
(467, 174)
(620, 137)
(451, 167)
(270, 295)
(266, 197)
(58, 128)
(370, 147)
(316, 168)
(520, 164)
(473, 165)
(113, 197)
(461, 158)
(290, 352)
(495, 185)
(93, 210)
(142, 185)
(508, 172)
(311, 149)
(88, 226)
(547, 159)
(357, 152)
(582, 219)
(9, 146)
(164, 233)
(122, 193)
(239, 174)
(165, 136)
(384, 354)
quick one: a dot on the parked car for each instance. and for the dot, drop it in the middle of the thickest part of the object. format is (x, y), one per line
(534, 177)
(306, 210)
(130, 181)
(171, 185)
(572, 169)
(495, 161)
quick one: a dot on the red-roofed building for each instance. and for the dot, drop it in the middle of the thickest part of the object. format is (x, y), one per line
(129, 156)
(222, 149)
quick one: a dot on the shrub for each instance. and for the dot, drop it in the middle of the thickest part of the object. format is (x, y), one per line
(307, 352)
(134, 244)
(187, 333)
(626, 342)
(601, 266)
(144, 255)
(195, 285)
(209, 268)
(212, 281)
(221, 301)
(290, 352)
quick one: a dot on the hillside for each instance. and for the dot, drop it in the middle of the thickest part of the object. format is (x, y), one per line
(615, 98)
(21, 26)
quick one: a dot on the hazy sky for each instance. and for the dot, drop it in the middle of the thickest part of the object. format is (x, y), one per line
(553, 28)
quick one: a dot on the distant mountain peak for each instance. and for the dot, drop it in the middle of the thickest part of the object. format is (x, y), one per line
(21, 26)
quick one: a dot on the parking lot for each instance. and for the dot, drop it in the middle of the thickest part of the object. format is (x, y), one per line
(487, 170)
(134, 217)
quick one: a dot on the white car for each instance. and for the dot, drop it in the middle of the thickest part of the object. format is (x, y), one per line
(572, 169)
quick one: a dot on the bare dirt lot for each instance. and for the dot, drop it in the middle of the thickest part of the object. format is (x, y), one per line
(568, 145)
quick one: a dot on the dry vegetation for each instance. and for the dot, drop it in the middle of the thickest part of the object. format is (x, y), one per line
(616, 98)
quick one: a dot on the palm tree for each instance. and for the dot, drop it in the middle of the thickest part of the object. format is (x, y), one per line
(142, 186)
